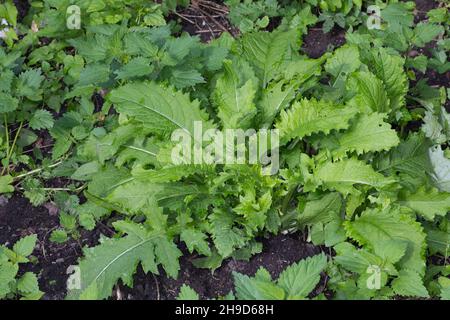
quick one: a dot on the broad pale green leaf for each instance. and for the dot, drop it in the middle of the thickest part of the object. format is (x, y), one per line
(344, 61)
(267, 51)
(234, 95)
(353, 259)
(137, 67)
(159, 108)
(368, 133)
(343, 175)
(274, 99)
(133, 196)
(397, 15)
(389, 68)
(427, 203)
(320, 210)
(186, 78)
(370, 92)
(28, 284)
(311, 116)
(438, 240)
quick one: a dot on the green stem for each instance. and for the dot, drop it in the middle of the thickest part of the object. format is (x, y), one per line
(62, 189)
(9, 154)
(11, 150)
(7, 141)
(29, 173)
(287, 199)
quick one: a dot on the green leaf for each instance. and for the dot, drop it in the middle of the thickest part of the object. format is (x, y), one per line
(195, 240)
(397, 15)
(439, 241)
(8, 11)
(344, 61)
(445, 288)
(425, 32)
(368, 133)
(299, 279)
(353, 259)
(25, 246)
(28, 284)
(8, 103)
(226, 237)
(322, 210)
(342, 175)
(187, 293)
(256, 288)
(409, 157)
(440, 172)
(59, 236)
(8, 272)
(186, 78)
(375, 226)
(29, 84)
(159, 108)
(427, 203)
(389, 68)
(116, 259)
(311, 116)
(267, 51)
(5, 184)
(409, 283)
(42, 119)
(134, 196)
(371, 94)
(94, 74)
(234, 95)
(274, 99)
(137, 67)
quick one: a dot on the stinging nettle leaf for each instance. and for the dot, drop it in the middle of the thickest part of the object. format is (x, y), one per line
(299, 279)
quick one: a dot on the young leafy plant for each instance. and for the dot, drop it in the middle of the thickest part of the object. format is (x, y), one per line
(11, 285)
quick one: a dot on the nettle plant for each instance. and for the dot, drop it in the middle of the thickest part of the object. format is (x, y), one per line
(296, 282)
(11, 285)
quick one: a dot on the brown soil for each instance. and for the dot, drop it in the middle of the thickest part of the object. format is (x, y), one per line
(22, 6)
(206, 19)
(316, 42)
(18, 218)
(422, 7)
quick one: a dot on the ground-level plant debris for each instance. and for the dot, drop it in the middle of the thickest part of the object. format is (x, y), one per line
(155, 139)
